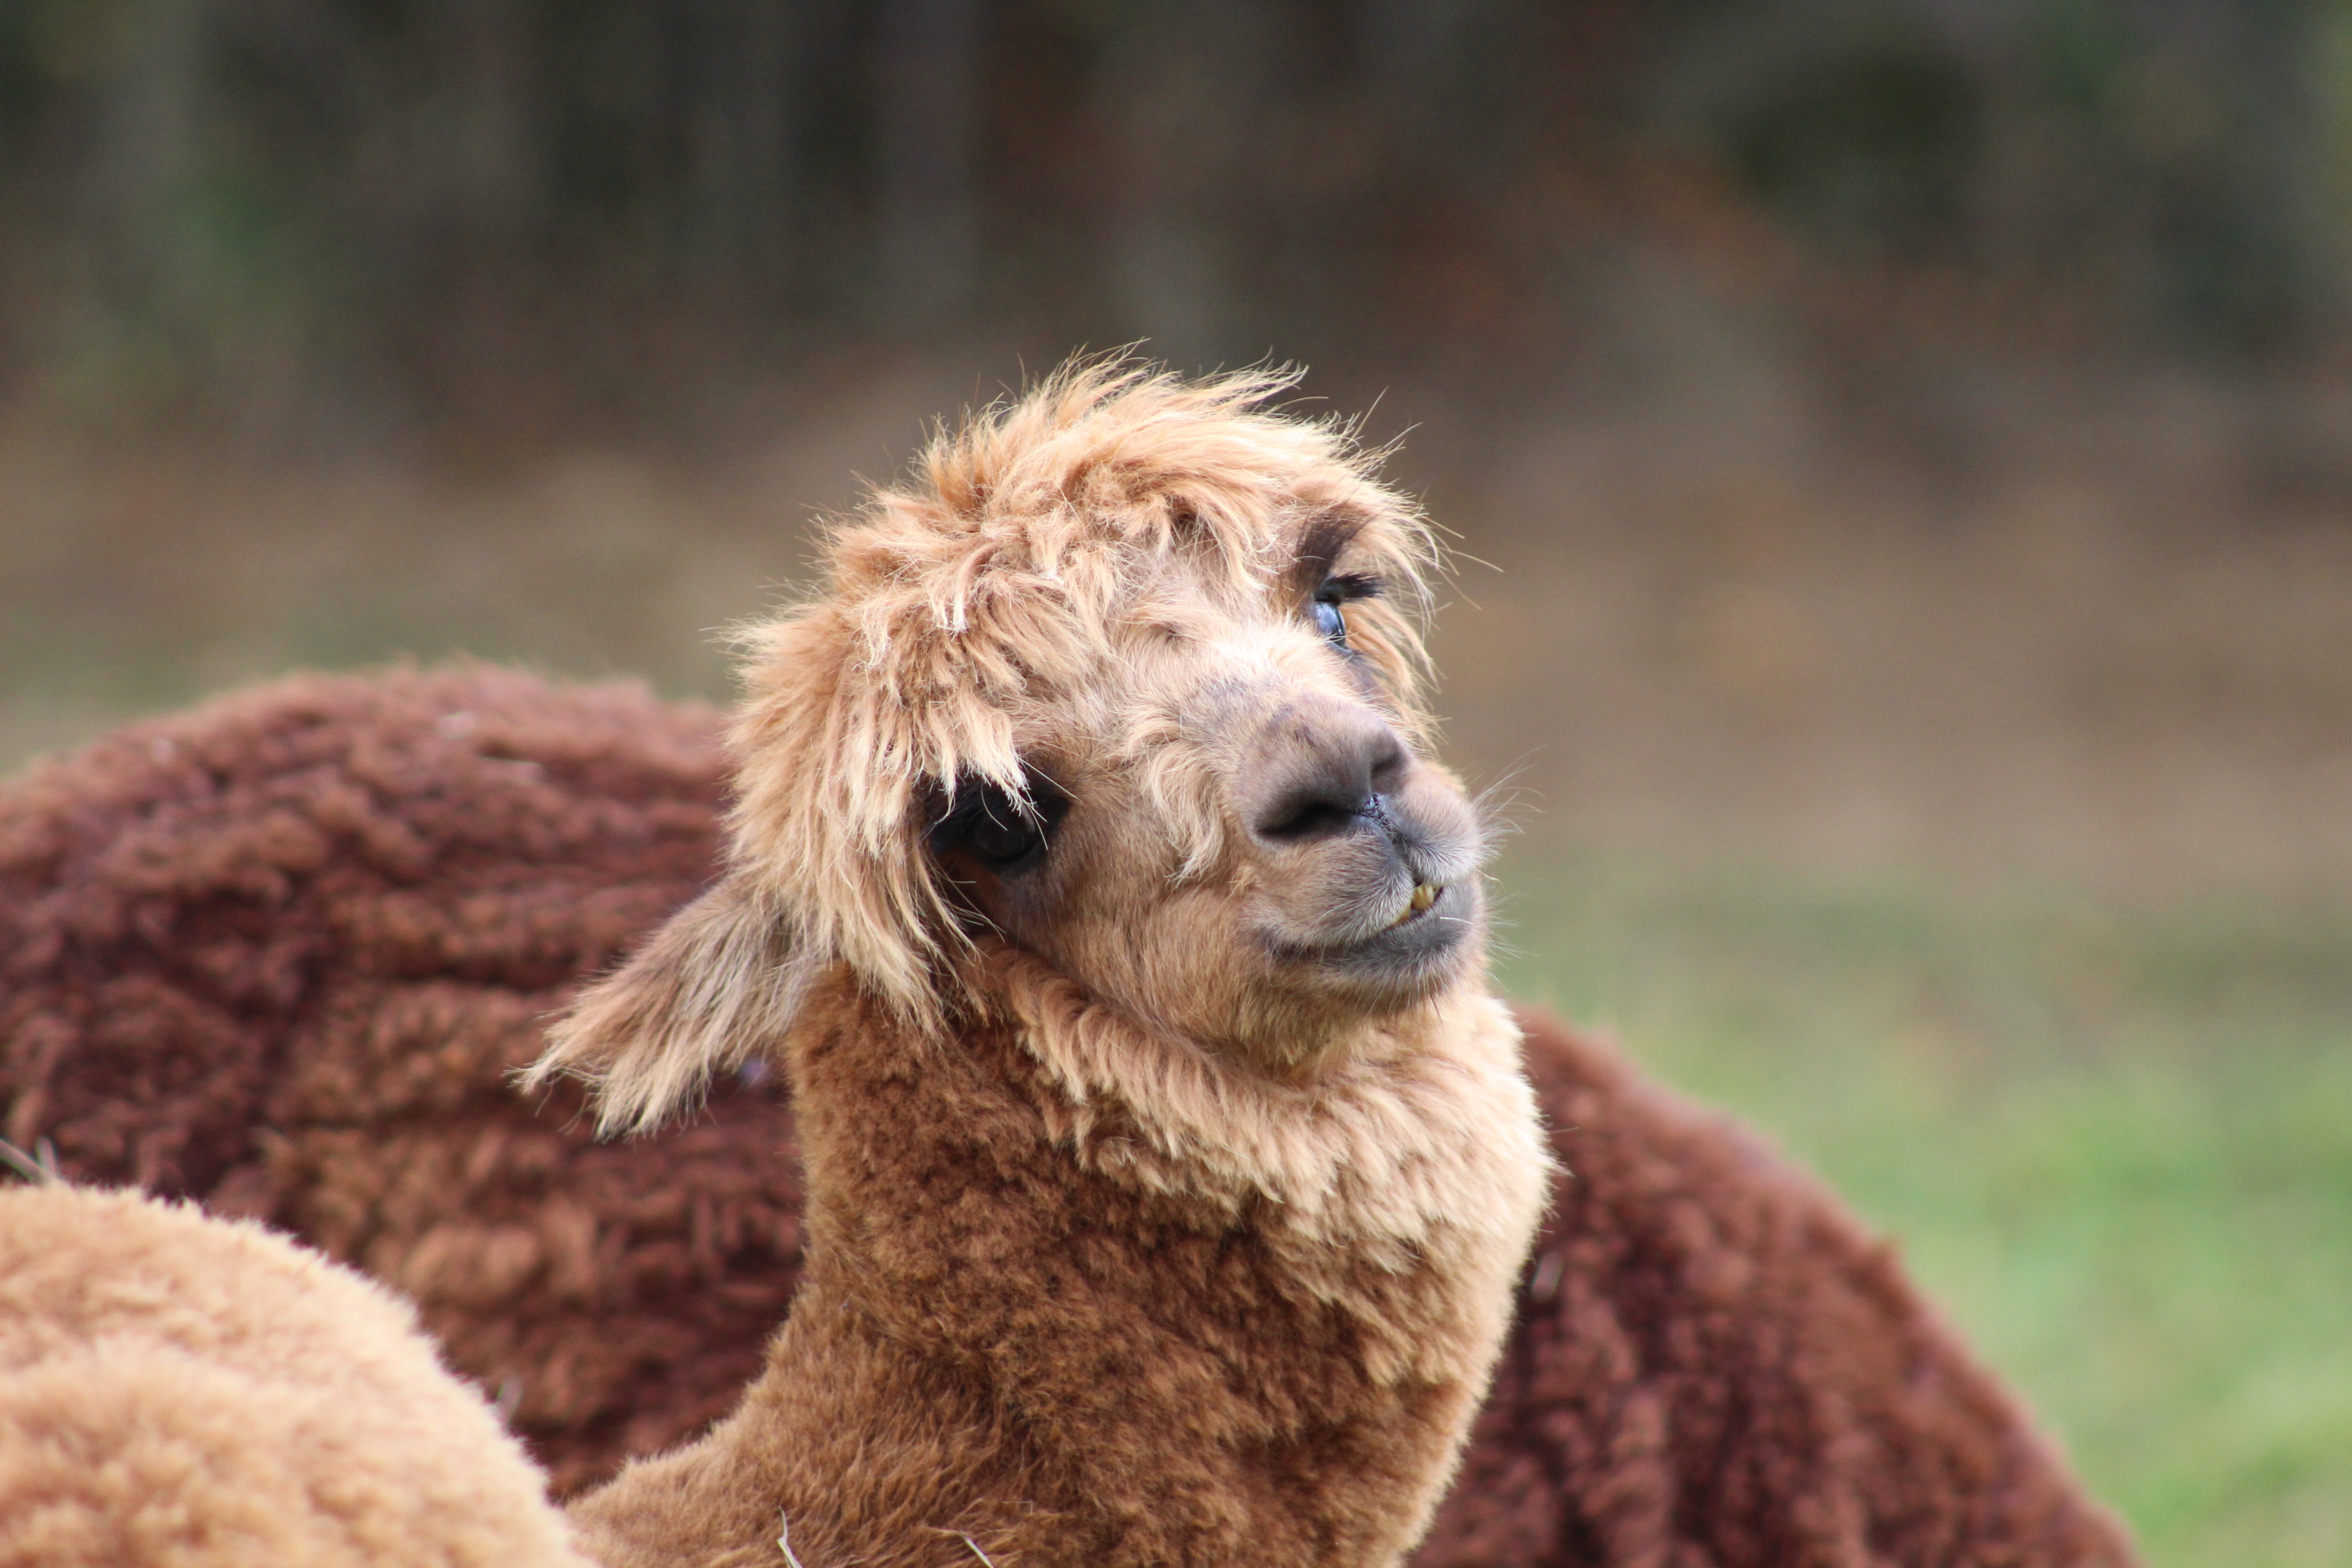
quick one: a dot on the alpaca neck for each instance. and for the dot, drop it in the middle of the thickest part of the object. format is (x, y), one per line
(1081, 1300)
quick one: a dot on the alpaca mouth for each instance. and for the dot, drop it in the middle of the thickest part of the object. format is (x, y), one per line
(1434, 922)
(1424, 897)
(1416, 949)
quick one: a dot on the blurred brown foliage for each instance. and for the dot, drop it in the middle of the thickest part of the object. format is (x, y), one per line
(439, 212)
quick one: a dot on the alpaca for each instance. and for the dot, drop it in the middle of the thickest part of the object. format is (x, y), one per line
(1168, 1166)
(178, 1391)
(280, 954)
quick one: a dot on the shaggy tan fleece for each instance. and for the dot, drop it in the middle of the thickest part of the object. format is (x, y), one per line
(183, 1391)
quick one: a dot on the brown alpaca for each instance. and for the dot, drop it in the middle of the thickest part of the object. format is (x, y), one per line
(178, 1391)
(1169, 1167)
(282, 953)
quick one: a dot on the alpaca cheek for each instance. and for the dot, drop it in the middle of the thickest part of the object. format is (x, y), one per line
(1018, 908)
(1173, 961)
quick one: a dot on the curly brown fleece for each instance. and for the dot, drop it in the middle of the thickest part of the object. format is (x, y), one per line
(280, 954)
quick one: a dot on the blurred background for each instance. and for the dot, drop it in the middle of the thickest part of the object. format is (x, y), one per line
(1900, 452)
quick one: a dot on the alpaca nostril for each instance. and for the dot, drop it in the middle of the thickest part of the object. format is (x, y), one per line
(1315, 813)
(1336, 789)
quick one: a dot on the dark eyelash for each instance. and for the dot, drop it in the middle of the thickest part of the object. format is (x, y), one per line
(1347, 587)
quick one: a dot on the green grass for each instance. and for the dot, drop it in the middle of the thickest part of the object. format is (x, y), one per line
(2116, 1144)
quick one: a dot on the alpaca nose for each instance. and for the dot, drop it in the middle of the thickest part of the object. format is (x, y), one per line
(1324, 774)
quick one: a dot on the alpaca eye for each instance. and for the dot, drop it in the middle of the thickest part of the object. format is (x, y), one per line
(1336, 591)
(1002, 835)
(986, 824)
(1328, 618)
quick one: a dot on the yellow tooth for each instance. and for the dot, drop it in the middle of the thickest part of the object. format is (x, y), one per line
(1424, 895)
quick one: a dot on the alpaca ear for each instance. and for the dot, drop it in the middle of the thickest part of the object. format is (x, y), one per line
(719, 979)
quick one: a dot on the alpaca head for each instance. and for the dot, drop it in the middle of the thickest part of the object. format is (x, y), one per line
(1131, 681)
